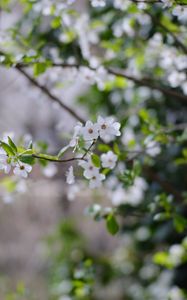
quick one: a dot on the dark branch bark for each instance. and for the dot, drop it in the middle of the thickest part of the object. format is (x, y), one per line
(50, 95)
(141, 82)
(59, 160)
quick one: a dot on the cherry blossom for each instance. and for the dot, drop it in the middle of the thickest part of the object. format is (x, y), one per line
(5, 163)
(108, 128)
(22, 169)
(89, 169)
(96, 180)
(70, 178)
(109, 160)
(90, 131)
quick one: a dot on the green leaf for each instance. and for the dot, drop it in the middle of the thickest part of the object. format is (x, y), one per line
(39, 68)
(162, 258)
(103, 148)
(116, 149)
(96, 160)
(105, 171)
(27, 159)
(62, 151)
(30, 146)
(180, 223)
(12, 145)
(28, 151)
(111, 224)
(56, 22)
(8, 149)
(184, 152)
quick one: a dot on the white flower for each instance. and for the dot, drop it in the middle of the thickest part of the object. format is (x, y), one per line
(70, 178)
(90, 131)
(50, 170)
(89, 169)
(181, 62)
(128, 136)
(108, 160)
(98, 3)
(96, 180)
(87, 75)
(175, 294)
(167, 3)
(4, 163)
(133, 195)
(118, 196)
(176, 253)
(72, 192)
(153, 148)
(100, 77)
(22, 169)
(74, 141)
(180, 12)
(75, 138)
(108, 129)
(21, 187)
(176, 78)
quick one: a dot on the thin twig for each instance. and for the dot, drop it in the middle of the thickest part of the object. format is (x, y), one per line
(86, 152)
(59, 160)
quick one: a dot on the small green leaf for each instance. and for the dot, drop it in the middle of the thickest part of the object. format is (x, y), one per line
(27, 159)
(8, 149)
(56, 22)
(39, 68)
(12, 145)
(62, 151)
(103, 148)
(180, 223)
(162, 258)
(96, 160)
(28, 151)
(116, 149)
(112, 225)
(30, 146)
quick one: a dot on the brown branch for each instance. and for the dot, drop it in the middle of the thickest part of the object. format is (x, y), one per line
(59, 160)
(50, 95)
(141, 82)
(145, 82)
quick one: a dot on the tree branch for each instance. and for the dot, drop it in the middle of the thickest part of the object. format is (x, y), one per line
(141, 82)
(145, 82)
(50, 95)
(59, 160)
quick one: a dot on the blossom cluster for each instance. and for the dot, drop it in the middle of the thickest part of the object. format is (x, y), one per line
(107, 130)
(84, 138)
(19, 168)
